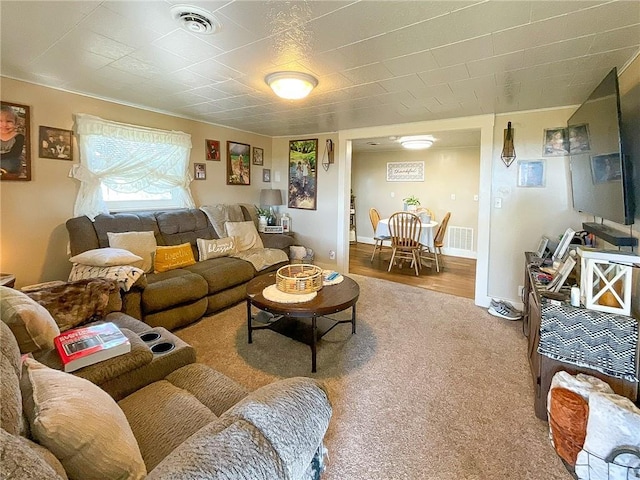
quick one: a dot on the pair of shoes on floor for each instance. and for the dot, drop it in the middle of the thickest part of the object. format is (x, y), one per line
(502, 309)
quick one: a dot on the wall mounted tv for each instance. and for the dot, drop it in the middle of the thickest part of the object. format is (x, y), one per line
(601, 175)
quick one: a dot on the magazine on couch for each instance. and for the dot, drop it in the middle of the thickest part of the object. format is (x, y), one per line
(84, 346)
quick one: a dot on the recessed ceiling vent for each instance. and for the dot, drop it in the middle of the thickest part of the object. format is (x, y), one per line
(196, 20)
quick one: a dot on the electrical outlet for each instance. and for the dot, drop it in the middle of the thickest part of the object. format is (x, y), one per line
(498, 203)
(520, 289)
(332, 255)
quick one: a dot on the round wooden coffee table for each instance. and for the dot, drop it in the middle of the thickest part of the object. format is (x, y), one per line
(305, 322)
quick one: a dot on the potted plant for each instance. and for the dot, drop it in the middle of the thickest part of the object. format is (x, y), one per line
(263, 216)
(411, 202)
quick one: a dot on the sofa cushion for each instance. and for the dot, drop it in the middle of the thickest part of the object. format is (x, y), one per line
(162, 416)
(80, 424)
(107, 257)
(22, 460)
(247, 236)
(183, 225)
(10, 372)
(76, 302)
(215, 248)
(142, 244)
(31, 323)
(169, 289)
(222, 273)
(175, 256)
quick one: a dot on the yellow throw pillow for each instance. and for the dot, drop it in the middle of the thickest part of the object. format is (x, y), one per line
(247, 236)
(214, 248)
(175, 256)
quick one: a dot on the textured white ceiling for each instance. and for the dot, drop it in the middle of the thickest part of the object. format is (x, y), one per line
(377, 62)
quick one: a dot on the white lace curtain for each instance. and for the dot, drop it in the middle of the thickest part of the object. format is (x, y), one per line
(129, 159)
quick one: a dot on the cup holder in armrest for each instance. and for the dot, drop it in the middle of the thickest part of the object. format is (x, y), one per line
(149, 336)
(162, 347)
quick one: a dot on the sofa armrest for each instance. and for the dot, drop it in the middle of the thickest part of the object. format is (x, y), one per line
(277, 240)
(274, 432)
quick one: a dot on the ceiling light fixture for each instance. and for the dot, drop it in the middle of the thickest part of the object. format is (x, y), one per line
(416, 143)
(291, 85)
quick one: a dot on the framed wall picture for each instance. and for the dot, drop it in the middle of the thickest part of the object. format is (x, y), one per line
(266, 174)
(303, 169)
(531, 173)
(405, 172)
(238, 163)
(200, 171)
(15, 149)
(212, 147)
(258, 154)
(579, 138)
(556, 142)
(55, 143)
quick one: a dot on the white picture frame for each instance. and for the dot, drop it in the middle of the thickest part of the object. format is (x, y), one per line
(542, 246)
(531, 173)
(405, 172)
(563, 246)
(285, 223)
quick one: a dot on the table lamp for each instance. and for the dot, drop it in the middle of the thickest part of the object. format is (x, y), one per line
(270, 197)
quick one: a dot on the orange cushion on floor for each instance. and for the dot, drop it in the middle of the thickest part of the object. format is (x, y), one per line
(568, 415)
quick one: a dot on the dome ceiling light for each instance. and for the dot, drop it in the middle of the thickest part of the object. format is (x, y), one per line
(417, 142)
(196, 20)
(291, 85)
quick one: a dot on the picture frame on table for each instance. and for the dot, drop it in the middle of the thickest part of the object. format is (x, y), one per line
(303, 174)
(15, 156)
(212, 148)
(266, 174)
(258, 156)
(55, 143)
(238, 163)
(531, 173)
(200, 171)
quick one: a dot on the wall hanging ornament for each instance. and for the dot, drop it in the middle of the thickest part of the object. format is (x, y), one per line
(508, 150)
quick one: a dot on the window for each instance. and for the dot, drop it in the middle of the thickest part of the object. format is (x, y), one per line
(127, 167)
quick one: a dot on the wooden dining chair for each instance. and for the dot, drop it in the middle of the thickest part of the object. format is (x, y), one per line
(438, 241)
(404, 228)
(374, 216)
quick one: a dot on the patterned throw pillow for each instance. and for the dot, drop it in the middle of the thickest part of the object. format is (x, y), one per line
(175, 256)
(124, 275)
(215, 248)
(142, 244)
(247, 236)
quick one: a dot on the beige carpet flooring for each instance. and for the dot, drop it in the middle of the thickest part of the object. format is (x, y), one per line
(430, 387)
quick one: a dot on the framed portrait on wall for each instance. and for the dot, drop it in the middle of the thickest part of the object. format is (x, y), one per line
(303, 174)
(212, 148)
(238, 163)
(55, 143)
(200, 171)
(258, 154)
(531, 173)
(556, 142)
(266, 174)
(15, 148)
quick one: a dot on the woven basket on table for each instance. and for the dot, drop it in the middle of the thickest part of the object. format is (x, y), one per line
(299, 279)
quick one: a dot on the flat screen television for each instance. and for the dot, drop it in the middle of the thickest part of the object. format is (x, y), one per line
(601, 175)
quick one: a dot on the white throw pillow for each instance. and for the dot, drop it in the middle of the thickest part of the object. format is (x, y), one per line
(142, 244)
(31, 324)
(217, 247)
(246, 235)
(80, 424)
(107, 257)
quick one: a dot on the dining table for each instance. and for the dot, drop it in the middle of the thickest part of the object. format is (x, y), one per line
(426, 231)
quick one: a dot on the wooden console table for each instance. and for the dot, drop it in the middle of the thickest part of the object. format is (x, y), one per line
(543, 368)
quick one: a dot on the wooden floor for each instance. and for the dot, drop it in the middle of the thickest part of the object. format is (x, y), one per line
(457, 276)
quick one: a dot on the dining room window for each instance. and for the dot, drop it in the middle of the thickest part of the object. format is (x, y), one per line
(128, 167)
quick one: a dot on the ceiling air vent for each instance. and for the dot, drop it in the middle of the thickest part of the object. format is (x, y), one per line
(196, 20)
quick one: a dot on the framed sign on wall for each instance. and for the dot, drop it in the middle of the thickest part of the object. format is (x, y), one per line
(405, 172)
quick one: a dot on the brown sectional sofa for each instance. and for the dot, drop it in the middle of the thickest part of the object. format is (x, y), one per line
(177, 297)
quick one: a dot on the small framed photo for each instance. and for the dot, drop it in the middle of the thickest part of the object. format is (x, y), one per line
(200, 171)
(531, 173)
(212, 147)
(56, 143)
(258, 154)
(238, 163)
(556, 142)
(15, 156)
(266, 174)
(579, 138)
